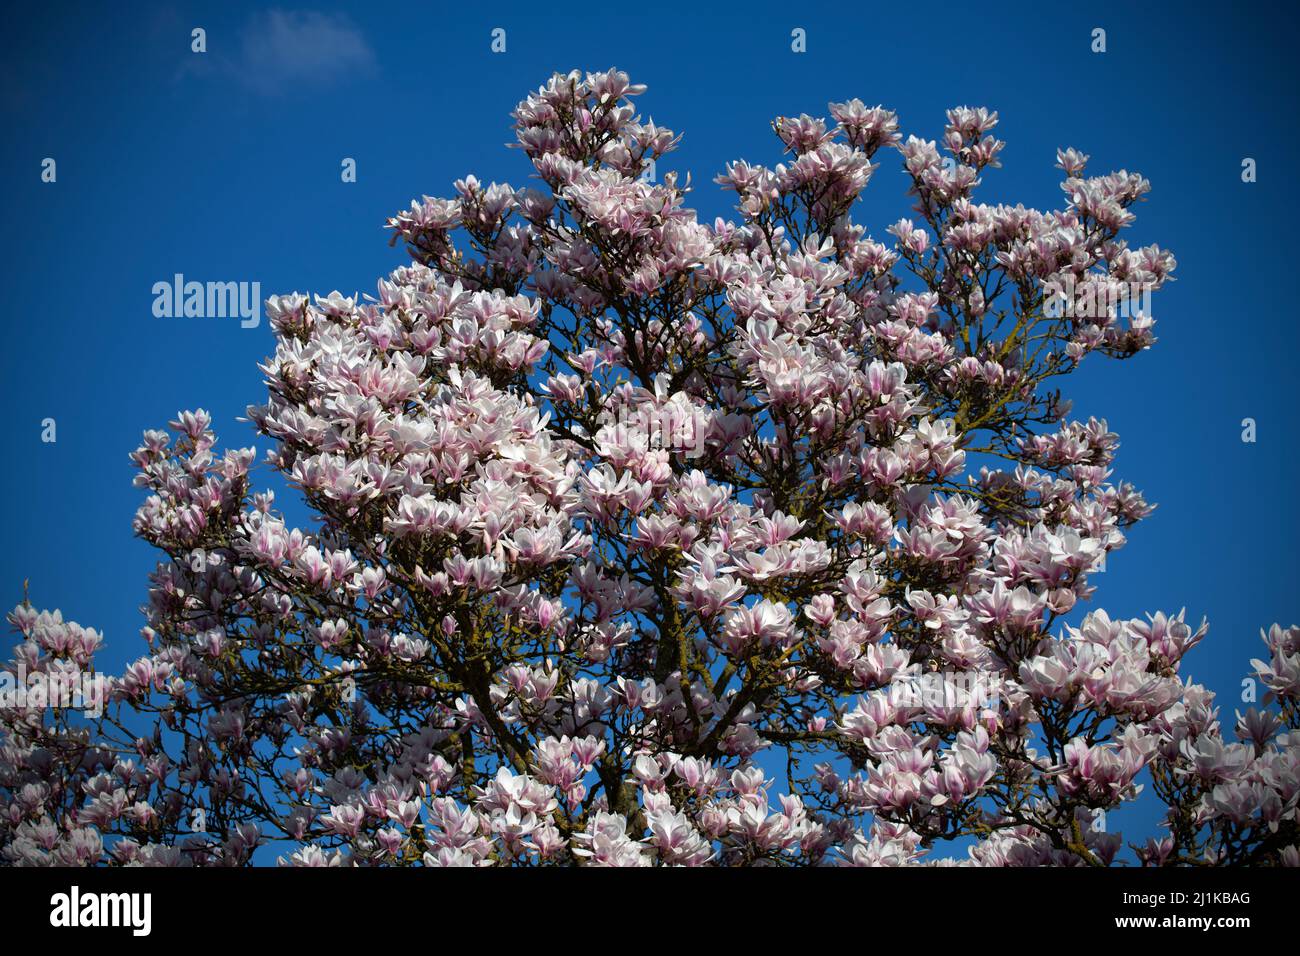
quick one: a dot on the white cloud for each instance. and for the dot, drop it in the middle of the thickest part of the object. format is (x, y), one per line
(284, 51)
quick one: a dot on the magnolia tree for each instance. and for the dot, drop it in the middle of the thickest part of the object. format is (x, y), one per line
(644, 541)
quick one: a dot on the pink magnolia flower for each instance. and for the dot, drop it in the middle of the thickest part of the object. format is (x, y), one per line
(611, 504)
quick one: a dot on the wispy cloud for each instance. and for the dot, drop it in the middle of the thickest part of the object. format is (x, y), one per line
(284, 51)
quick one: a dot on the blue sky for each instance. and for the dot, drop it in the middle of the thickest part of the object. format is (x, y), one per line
(225, 166)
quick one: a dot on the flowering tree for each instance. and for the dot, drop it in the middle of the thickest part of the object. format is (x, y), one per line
(646, 541)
